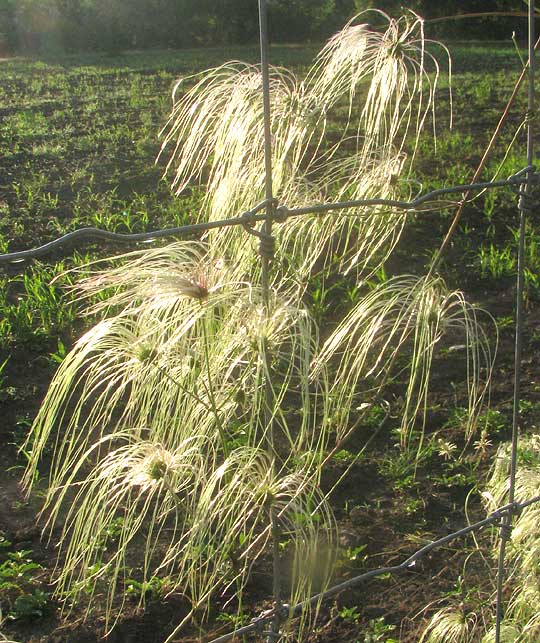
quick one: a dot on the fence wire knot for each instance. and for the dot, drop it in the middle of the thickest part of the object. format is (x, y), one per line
(527, 201)
(248, 222)
(520, 177)
(281, 214)
(267, 246)
(267, 243)
(505, 528)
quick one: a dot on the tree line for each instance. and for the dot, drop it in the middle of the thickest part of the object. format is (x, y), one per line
(110, 25)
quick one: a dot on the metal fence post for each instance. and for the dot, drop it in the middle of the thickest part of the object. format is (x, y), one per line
(266, 255)
(524, 205)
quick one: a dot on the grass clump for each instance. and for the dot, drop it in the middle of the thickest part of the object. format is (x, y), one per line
(174, 411)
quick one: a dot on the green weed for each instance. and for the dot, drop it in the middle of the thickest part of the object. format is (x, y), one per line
(234, 621)
(151, 589)
(378, 631)
(20, 595)
(33, 307)
(495, 263)
(351, 557)
(350, 614)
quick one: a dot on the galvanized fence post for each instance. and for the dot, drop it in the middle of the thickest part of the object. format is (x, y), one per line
(524, 205)
(266, 254)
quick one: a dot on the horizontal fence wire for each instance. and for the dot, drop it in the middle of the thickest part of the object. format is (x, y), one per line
(254, 216)
(249, 217)
(259, 622)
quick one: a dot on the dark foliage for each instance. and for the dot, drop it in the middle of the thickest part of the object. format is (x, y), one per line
(53, 26)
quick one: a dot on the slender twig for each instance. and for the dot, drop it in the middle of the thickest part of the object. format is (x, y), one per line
(481, 165)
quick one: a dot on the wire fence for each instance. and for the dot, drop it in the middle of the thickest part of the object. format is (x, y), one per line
(279, 214)
(270, 211)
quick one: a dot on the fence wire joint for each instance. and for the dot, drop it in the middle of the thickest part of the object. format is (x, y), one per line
(527, 201)
(281, 214)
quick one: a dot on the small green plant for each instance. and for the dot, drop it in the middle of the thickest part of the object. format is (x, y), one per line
(151, 589)
(378, 631)
(500, 261)
(234, 621)
(20, 595)
(413, 506)
(350, 614)
(59, 353)
(495, 262)
(351, 557)
(344, 456)
(33, 307)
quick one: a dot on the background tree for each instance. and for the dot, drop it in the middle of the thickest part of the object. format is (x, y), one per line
(110, 25)
(298, 19)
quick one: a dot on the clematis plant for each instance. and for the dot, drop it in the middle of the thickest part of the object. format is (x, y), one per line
(162, 413)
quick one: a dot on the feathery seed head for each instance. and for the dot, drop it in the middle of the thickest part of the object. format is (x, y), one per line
(152, 468)
(157, 469)
(146, 353)
(446, 449)
(196, 280)
(194, 288)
